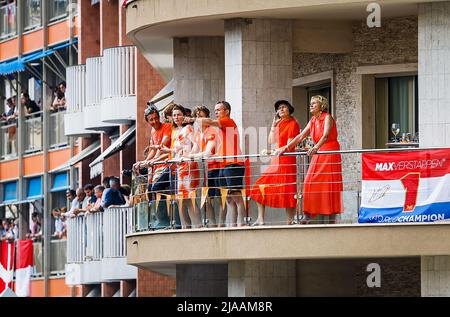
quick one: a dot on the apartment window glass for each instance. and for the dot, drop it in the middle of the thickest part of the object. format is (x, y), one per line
(10, 191)
(34, 188)
(396, 102)
(58, 9)
(32, 14)
(8, 23)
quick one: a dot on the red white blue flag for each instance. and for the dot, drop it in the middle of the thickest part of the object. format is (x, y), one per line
(405, 186)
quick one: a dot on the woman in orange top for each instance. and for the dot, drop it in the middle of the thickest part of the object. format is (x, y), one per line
(277, 186)
(322, 190)
(187, 172)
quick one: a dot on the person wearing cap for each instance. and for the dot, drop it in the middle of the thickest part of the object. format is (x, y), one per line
(276, 187)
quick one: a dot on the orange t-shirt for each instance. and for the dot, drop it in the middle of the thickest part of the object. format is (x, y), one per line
(202, 139)
(156, 138)
(229, 145)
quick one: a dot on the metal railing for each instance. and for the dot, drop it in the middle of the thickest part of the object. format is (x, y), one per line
(57, 135)
(94, 81)
(334, 182)
(119, 72)
(76, 240)
(99, 235)
(117, 223)
(94, 238)
(8, 22)
(76, 88)
(8, 140)
(33, 132)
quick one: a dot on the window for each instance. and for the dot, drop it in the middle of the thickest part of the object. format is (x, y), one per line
(9, 191)
(34, 187)
(59, 9)
(8, 22)
(32, 14)
(396, 102)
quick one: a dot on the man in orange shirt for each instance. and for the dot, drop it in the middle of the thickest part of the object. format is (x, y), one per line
(232, 170)
(160, 181)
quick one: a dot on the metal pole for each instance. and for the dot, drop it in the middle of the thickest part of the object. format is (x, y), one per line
(46, 143)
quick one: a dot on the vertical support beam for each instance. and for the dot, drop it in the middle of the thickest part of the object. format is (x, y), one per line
(20, 121)
(46, 145)
(126, 287)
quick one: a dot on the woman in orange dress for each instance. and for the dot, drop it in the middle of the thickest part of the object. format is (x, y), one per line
(322, 190)
(277, 186)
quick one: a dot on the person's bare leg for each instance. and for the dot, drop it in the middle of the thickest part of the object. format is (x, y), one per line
(239, 201)
(232, 208)
(290, 212)
(261, 210)
(184, 218)
(210, 213)
(194, 214)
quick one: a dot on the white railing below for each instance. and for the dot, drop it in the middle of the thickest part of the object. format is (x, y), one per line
(94, 81)
(94, 241)
(99, 235)
(117, 223)
(76, 88)
(119, 72)
(76, 236)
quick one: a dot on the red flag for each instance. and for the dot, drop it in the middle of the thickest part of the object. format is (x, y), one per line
(24, 266)
(124, 3)
(6, 265)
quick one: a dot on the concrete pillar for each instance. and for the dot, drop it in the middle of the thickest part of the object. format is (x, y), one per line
(435, 275)
(198, 71)
(86, 288)
(262, 278)
(434, 74)
(126, 287)
(202, 280)
(258, 69)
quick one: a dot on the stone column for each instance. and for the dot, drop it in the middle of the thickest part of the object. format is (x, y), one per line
(434, 74)
(435, 275)
(201, 280)
(258, 69)
(262, 278)
(198, 71)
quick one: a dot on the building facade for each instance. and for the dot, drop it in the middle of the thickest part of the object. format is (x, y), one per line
(254, 53)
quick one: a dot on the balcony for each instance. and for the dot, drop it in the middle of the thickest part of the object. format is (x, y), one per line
(96, 250)
(57, 258)
(94, 77)
(119, 103)
(33, 132)
(57, 136)
(8, 140)
(375, 219)
(76, 101)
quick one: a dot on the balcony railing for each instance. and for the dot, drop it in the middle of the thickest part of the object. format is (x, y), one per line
(57, 257)
(8, 22)
(119, 72)
(94, 81)
(302, 182)
(8, 139)
(57, 135)
(76, 88)
(98, 236)
(33, 132)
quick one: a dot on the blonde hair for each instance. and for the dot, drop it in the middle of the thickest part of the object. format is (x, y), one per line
(323, 101)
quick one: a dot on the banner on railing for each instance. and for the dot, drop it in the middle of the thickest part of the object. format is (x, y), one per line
(405, 186)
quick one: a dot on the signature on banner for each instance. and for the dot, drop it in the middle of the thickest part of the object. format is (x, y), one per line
(379, 193)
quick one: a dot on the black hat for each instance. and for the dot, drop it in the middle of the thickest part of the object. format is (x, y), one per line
(284, 102)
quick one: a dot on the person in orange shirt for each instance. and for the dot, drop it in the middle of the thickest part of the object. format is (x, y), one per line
(232, 170)
(322, 188)
(159, 179)
(205, 145)
(187, 173)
